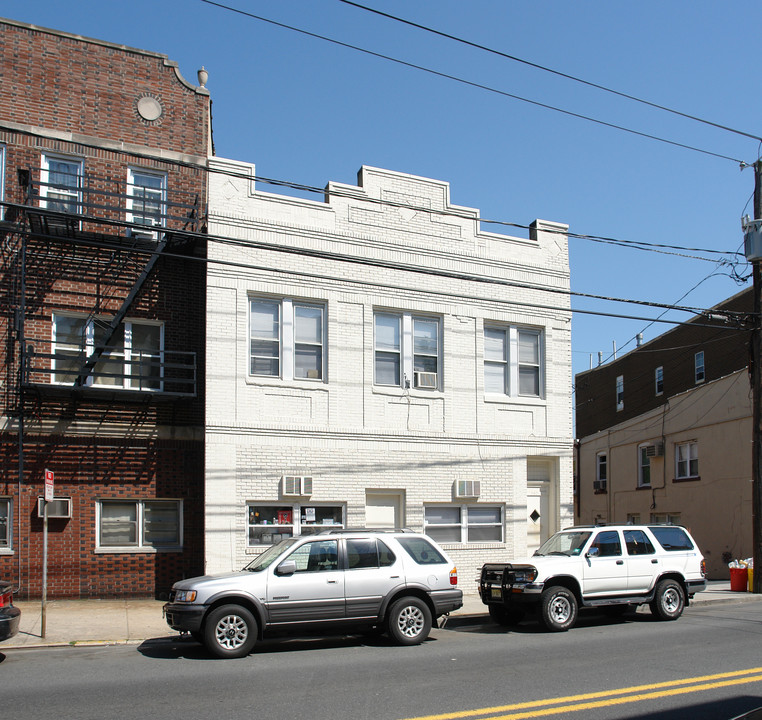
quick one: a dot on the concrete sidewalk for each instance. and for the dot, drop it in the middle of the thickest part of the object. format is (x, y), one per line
(116, 622)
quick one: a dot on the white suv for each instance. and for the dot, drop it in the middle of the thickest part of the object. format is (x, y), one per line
(616, 566)
(397, 582)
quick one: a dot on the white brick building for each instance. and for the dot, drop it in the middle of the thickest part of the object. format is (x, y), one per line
(371, 355)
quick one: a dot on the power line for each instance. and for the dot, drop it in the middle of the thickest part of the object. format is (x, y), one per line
(551, 70)
(480, 86)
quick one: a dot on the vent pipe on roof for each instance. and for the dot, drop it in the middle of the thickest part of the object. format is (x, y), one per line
(639, 339)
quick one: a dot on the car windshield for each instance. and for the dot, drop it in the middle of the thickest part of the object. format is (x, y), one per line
(564, 543)
(269, 556)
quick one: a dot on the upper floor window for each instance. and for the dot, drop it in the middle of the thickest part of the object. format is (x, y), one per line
(6, 523)
(686, 461)
(407, 350)
(512, 361)
(659, 380)
(700, 374)
(132, 359)
(620, 393)
(601, 472)
(140, 524)
(287, 339)
(146, 198)
(644, 466)
(61, 184)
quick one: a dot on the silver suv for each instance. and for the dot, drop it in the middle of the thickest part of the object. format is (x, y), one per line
(616, 567)
(397, 582)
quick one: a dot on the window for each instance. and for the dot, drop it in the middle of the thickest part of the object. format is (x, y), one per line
(512, 361)
(368, 553)
(698, 361)
(131, 361)
(407, 351)
(671, 538)
(665, 519)
(607, 543)
(620, 393)
(659, 380)
(317, 556)
(269, 524)
(421, 550)
(637, 543)
(601, 472)
(644, 467)
(6, 523)
(146, 198)
(61, 184)
(287, 339)
(464, 523)
(140, 524)
(633, 518)
(686, 461)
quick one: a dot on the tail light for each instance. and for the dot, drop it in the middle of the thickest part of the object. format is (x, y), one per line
(6, 598)
(703, 568)
(454, 576)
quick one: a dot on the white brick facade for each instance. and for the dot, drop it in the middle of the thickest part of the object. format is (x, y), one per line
(392, 244)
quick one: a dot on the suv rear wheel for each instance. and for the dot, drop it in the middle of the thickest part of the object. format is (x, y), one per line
(669, 600)
(230, 631)
(558, 608)
(409, 621)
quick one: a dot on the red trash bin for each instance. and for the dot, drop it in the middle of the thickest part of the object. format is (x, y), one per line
(739, 578)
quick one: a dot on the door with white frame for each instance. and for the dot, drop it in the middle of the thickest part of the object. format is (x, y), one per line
(541, 523)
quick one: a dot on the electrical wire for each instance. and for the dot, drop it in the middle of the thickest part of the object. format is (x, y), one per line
(477, 85)
(567, 76)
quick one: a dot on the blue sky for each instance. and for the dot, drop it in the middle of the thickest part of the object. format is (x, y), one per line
(308, 111)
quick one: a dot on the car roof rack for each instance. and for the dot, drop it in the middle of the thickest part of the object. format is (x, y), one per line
(349, 531)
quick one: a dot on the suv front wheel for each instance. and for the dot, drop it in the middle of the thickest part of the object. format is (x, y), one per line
(230, 631)
(669, 600)
(558, 608)
(409, 621)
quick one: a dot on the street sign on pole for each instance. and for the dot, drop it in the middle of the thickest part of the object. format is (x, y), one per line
(49, 485)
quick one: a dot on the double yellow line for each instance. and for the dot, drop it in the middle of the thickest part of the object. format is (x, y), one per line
(605, 698)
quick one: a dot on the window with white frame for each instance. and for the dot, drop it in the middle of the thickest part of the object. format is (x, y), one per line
(659, 380)
(269, 523)
(6, 523)
(620, 393)
(287, 339)
(665, 519)
(146, 198)
(61, 183)
(132, 360)
(464, 523)
(140, 524)
(644, 466)
(407, 350)
(601, 472)
(633, 518)
(686, 461)
(512, 361)
(699, 369)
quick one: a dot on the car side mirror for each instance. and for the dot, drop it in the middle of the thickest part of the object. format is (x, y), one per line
(593, 552)
(287, 567)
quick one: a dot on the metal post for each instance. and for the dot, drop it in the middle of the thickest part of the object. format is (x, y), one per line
(756, 384)
(43, 621)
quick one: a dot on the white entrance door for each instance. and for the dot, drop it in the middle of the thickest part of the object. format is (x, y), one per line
(383, 510)
(538, 514)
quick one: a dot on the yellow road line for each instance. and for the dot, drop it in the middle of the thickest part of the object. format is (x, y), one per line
(637, 689)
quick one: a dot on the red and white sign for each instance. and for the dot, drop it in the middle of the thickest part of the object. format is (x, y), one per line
(49, 485)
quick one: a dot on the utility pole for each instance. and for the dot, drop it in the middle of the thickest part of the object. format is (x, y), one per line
(756, 383)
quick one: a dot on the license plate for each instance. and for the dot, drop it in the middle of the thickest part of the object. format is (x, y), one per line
(497, 593)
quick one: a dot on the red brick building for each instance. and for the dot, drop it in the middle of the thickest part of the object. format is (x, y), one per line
(103, 154)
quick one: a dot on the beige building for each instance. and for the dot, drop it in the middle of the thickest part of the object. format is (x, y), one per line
(665, 436)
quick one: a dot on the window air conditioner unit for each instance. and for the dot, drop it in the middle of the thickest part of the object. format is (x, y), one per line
(655, 450)
(599, 485)
(468, 488)
(426, 380)
(59, 507)
(297, 485)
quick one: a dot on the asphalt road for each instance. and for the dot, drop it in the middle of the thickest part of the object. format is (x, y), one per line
(706, 665)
